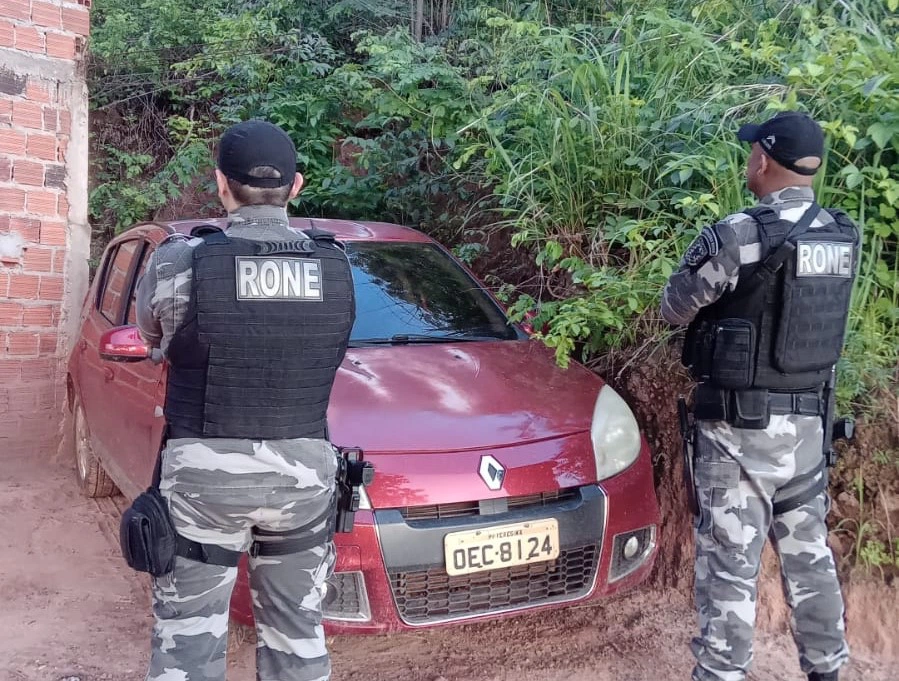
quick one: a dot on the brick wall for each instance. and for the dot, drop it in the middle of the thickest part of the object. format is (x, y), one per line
(42, 212)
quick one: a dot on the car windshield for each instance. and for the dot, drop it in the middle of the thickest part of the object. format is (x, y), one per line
(415, 293)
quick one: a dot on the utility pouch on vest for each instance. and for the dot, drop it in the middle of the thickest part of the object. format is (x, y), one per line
(147, 535)
(733, 357)
(710, 404)
(749, 409)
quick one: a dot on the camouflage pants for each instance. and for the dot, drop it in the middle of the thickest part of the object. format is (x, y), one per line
(217, 491)
(739, 475)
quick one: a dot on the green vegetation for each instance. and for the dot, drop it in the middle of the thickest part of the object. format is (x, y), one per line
(599, 140)
(569, 151)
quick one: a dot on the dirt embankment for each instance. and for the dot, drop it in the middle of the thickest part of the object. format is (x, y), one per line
(856, 518)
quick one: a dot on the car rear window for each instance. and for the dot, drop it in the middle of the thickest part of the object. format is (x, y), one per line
(415, 289)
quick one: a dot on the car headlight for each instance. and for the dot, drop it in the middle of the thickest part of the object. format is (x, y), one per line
(615, 434)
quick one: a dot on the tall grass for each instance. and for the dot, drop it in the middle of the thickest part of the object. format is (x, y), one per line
(614, 143)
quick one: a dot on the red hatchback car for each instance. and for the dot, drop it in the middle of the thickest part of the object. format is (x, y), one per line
(503, 483)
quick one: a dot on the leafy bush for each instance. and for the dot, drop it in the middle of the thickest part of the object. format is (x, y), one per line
(598, 137)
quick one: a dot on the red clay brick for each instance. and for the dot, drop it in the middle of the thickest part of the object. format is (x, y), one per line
(37, 93)
(27, 114)
(62, 148)
(51, 288)
(38, 260)
(12, 199)
(4, 284)
(10, 369)
(10, 314)
(53, 232)
(7, 34)
(5, 111)
(41, 146)
(63, 209)
(28, 172)
(29, 228)
(76, 19)
(48, 343)
(41, 316)
(29, 39)
(23, 343)
(51, 118)
(4, 224)
(60, 46)
(16, 9)
(12, 142)
(24, 286)
(41, 202)
(5, 170)
(46, 14)
(65, 122)
(59, 261)
(38, 370)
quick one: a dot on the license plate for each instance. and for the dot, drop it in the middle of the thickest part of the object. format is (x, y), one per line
(501, 547)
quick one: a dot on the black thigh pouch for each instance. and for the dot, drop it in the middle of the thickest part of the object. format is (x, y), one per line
(147, 535)
(733, 358)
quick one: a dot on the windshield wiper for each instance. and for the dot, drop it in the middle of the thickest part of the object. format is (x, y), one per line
(411, 338)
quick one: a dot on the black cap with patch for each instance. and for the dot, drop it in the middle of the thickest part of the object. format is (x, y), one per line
(256, 143)
(787, 138)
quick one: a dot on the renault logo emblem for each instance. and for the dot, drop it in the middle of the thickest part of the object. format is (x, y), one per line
(492, 472)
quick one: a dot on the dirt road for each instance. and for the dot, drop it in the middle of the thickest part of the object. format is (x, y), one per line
(71, 609)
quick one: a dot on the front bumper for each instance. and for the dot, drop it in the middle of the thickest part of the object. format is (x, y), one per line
(390, 572)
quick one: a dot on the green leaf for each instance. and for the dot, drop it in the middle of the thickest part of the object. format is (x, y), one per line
(814, 70)
(881, 134)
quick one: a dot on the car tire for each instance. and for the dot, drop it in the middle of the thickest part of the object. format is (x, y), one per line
(92, 479)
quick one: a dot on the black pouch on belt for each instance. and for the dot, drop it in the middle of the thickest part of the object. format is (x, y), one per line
(749, 409)
(147, 535)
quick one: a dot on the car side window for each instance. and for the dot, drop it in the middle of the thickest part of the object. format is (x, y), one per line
(141, 268)
(116, 281)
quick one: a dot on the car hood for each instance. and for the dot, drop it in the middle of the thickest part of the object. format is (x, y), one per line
(457, 396)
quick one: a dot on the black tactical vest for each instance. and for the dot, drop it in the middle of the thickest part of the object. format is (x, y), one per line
(266, 329)
(782, 328)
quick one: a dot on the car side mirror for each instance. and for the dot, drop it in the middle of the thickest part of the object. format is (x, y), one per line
(123, 344)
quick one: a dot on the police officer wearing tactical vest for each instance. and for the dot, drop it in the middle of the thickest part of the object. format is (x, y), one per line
(765, 293)
(254, 322)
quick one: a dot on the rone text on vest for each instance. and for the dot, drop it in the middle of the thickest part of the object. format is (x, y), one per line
(823, 259)
(278, 278)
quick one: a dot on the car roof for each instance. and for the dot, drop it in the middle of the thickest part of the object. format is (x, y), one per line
(344, 230)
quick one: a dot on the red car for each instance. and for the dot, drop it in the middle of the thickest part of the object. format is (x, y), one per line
(503, 483)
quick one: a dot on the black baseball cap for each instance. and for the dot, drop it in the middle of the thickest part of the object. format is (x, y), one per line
(788, 137)
(257, 143)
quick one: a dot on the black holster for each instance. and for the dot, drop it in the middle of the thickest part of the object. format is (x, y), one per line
(147, 535)
(687, 431)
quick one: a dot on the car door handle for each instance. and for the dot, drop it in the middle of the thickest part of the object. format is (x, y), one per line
(108, 374)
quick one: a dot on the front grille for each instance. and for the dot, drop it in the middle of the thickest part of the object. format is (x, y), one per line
(473, 508)
(433, 596)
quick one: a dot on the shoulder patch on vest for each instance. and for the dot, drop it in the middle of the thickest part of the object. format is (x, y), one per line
(704, 247)
(274, 278)
(824, 259)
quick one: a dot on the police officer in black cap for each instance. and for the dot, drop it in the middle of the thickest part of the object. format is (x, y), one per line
(254, 322)
(765, 294)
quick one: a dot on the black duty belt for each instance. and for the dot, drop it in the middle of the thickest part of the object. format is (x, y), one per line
(752, 408)
(805, 404)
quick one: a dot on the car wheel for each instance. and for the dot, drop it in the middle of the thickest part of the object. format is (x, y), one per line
(93, 479)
